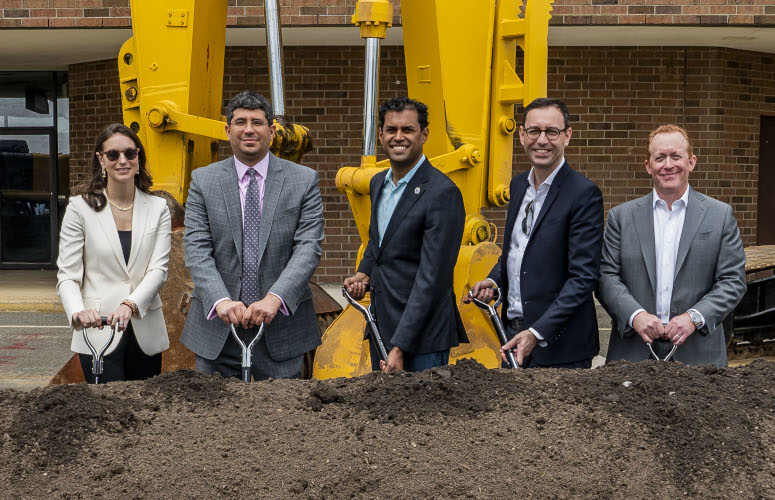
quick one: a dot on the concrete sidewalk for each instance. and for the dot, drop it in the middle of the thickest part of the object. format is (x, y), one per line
(29, 291)
(34, 335)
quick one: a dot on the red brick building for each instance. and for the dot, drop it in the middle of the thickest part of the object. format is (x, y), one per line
(622, 66)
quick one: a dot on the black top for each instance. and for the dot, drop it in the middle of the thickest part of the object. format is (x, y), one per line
(126, 243)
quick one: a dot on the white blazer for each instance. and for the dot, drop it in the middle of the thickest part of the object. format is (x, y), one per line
(93, 274)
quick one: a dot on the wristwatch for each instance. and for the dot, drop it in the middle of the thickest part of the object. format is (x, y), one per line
(696, 317)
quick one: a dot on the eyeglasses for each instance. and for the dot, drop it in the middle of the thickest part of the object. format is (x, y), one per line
(241, 123)
(113, 155)
(527, 222)
(551, 132)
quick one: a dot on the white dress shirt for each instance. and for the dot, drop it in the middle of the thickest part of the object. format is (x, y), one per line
(668, 226)
(519, 242)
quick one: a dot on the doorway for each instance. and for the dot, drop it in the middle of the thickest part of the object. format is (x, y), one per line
(34, 170)
(765, 225)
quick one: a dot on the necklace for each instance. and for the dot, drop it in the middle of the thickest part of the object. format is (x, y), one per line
(116, 206)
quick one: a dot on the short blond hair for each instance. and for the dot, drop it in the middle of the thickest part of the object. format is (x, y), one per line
(669, 129)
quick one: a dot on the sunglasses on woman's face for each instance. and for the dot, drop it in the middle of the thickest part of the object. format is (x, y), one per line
(113, 155)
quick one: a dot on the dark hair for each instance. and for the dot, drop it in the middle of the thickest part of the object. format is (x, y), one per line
(401, 104)
(545, 102)
(94, 195)
(249, 100)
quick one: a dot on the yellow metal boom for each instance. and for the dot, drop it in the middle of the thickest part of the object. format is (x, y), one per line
(171, 74)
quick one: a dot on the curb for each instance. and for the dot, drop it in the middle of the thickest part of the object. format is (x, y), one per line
(43, 307)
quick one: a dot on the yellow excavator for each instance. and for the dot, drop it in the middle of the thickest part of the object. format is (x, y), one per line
(461, 60)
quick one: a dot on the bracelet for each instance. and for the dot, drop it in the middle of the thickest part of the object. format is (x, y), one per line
(131, 305)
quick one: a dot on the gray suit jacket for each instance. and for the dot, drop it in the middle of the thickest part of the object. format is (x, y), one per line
(289, 252)
(709, 276)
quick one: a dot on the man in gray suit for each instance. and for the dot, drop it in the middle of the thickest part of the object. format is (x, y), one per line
(254, 224)
(673, 263)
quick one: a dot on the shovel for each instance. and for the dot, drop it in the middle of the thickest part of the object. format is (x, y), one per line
(666, 358)
(370, 323)
(247, 351)
(96, 356)
(497, 323)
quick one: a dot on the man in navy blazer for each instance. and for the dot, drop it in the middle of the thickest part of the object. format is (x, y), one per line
(551, 250)
(417, 219)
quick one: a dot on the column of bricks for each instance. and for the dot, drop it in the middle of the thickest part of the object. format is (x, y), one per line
(95, 102)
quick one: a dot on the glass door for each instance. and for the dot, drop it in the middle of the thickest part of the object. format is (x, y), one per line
(34, 167)
(28, 214)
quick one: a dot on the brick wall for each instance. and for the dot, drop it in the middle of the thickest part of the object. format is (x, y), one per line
(95, 102)
(115, 13)
(717, 94)
(704, 12)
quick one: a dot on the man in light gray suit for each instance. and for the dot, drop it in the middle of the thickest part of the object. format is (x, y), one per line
(253, 228)
(673, 263)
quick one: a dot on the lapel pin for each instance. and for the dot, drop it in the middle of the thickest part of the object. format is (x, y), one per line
(416, 190)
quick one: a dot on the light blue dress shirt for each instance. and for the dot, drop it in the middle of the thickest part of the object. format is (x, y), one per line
(390, 195)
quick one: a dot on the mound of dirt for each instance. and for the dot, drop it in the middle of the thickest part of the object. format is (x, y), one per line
(647, 430)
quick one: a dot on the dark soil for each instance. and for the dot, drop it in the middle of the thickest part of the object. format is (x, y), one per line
(649, 430)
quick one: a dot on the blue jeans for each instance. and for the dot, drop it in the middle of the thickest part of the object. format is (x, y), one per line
(413, 362)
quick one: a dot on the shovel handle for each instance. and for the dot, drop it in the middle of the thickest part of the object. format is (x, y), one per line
(96, 355)
(666, 358)
(247, 351)
(371, 322)
(497, 323)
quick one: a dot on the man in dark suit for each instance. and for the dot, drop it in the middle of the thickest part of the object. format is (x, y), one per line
(254, 224)
(417, 218)
(551, 251)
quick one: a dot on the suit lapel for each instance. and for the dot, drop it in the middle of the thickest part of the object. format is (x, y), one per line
(643, 220)
(273, 186)
(230, 188)
(139, 218)
(511, 218)
(376, 193)
(413, 191)
(695, 213)
(108, 224)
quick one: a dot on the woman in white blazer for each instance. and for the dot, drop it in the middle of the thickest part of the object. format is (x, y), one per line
(113, 255)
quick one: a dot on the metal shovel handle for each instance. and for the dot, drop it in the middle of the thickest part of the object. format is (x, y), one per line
(497, 323)
(666, 358)
(96, 355)
(247, 351)
(371, 323)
